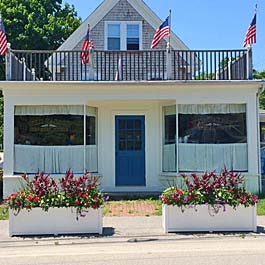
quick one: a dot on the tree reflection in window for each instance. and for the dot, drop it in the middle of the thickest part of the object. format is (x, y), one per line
(212, 128)
(54, 130)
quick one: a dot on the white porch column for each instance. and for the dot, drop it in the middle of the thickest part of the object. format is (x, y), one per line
(8, 138)
(253, 145)
(10, 182)
(177, 138)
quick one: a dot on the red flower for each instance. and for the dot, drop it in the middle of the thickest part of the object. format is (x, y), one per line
(18, 204)
(189, 198)
(77, 202)
(94, 206)
(179, 192)
(29, 198)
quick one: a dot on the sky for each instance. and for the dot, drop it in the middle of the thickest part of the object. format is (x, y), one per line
(205, 24)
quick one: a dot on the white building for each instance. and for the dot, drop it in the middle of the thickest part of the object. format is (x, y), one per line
(187, 111)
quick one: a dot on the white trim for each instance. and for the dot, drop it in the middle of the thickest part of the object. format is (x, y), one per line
(94, 18)
(123, 33)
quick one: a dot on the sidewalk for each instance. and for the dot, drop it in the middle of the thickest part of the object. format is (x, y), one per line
(122, 229)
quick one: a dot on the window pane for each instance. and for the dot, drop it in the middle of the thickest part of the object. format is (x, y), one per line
(212, 128)
(90, 130)
(132, 31)
(133, 44)
(170, 129)
(114, 30)
(49, 130)
(133, 38)
(169, 141)
(114, 44)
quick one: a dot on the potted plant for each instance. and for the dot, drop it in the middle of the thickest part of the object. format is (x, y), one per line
(211, 202)
(67, 206)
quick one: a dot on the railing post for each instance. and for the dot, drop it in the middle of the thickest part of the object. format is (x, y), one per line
(91, 65)
(24, 69)
(8, 63)
(169, 63)
(33, 73)
(217, 75)
(249, 63)
(229, 68)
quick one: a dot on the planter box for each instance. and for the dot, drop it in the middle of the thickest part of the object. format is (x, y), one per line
(55, 221)
(241, 219)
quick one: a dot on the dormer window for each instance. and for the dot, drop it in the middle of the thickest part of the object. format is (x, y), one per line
(123, 35)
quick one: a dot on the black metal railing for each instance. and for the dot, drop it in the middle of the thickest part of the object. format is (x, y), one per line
(129, 65)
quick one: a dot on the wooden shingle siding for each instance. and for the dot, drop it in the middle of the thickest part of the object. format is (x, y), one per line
(123, 11)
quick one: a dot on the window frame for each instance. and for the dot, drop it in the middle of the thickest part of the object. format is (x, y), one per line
(123, 33)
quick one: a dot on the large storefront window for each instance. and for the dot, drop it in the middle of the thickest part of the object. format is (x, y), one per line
(51, 139)
(212, 136)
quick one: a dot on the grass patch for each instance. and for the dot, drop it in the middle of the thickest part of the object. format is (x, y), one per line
(261, 207)
(3, 212)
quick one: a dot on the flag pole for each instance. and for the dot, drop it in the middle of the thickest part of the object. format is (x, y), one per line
(249, 52)
(169, 36)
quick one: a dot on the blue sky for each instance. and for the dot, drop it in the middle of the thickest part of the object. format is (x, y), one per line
(205, 24)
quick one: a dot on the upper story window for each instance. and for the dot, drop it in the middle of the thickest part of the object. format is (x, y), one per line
(114, 34)
(133, 37)
(123, 35)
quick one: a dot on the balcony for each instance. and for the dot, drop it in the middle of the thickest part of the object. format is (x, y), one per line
(145, 65)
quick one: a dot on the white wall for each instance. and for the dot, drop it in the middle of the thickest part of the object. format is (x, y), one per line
(129, 98)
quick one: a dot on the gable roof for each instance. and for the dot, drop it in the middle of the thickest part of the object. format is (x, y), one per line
(102, 10)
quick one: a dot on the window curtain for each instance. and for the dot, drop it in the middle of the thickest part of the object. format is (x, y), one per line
(209, 157)
(53, 110)
(211, 108)
(54, 159)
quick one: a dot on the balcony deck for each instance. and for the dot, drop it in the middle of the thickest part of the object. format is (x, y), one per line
(144, 65)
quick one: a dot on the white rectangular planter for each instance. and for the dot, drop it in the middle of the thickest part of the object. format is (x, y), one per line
(55, 221)
(241, 219)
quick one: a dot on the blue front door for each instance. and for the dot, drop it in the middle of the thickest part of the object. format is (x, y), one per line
(130, 150)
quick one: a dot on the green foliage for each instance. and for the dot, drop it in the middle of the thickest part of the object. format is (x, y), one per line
(3, 212)
(34, 24)
(211, 189)
(260, 76)
(261, 207)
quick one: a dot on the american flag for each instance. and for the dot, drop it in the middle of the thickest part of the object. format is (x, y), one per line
(251, 32)
(161, 32)
(3, 40)
(87, 45)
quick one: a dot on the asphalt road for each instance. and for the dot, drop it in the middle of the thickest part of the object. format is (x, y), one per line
(236, 251)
